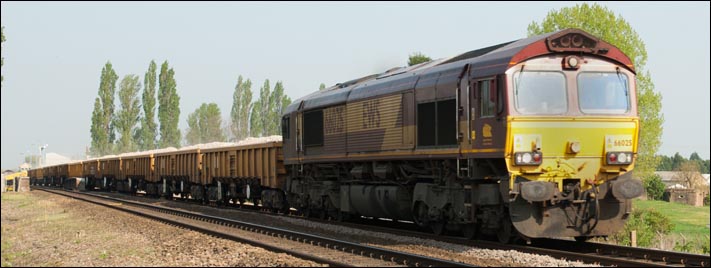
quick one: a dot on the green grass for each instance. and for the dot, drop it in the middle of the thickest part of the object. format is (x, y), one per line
(688, 220)
(103, 255)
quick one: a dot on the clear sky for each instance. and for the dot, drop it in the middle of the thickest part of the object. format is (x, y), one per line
(54, 52)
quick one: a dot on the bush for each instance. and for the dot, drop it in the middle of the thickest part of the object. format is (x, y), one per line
(654, 187)
(698, 245)
(684, 246)
(648, 223)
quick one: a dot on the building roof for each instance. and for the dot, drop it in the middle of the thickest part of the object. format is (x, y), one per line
(667, 176)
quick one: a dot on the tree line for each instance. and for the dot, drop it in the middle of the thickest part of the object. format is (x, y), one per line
(133, 126)
(135, 120)
(677, 162)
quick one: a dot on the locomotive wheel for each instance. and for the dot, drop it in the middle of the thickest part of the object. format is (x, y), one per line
(438, 227)
(306, 212)
(420, 214)
(469, 231)
(505, 231)
(340, 216)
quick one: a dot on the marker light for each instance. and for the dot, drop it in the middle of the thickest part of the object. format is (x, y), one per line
(528, 158)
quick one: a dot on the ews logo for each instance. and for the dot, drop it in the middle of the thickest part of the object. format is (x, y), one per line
(371, 114)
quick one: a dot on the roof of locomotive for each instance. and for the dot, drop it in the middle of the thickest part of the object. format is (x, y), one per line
(485, 62)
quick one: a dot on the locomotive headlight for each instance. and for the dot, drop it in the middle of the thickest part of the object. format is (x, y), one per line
(573, 62)
(622, 158)
(527, 157)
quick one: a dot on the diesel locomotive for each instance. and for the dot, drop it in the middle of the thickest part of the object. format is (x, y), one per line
(532, 138)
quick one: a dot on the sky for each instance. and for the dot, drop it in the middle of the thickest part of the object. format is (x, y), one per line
(54, 53)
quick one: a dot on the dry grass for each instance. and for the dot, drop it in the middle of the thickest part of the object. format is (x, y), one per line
(38, 230)
(43, 229)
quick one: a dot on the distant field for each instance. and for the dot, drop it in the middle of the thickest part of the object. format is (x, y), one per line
(688, 220)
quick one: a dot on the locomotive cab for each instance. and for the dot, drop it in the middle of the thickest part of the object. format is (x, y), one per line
(571, 142)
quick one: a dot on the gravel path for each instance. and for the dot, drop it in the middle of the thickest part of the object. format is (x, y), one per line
(43, 229)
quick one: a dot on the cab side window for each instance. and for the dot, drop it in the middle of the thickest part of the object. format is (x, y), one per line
(487, 97)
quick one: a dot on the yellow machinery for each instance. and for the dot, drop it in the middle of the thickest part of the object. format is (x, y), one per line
(11, 178)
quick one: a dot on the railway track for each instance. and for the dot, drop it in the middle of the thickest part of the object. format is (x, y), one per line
(588, 252)
(172, 216)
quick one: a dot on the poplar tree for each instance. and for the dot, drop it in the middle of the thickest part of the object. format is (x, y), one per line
(204, 125)
(255, 121)
(169, 108)
(278, 102)
(604, 24)
(260, 113)
(273, 116)
(147, 134)
(241, 105)
(99, 138)
(127, 118)
(102, 127)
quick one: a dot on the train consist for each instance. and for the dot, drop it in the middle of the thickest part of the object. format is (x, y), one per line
(217, 172)
(527, 139)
